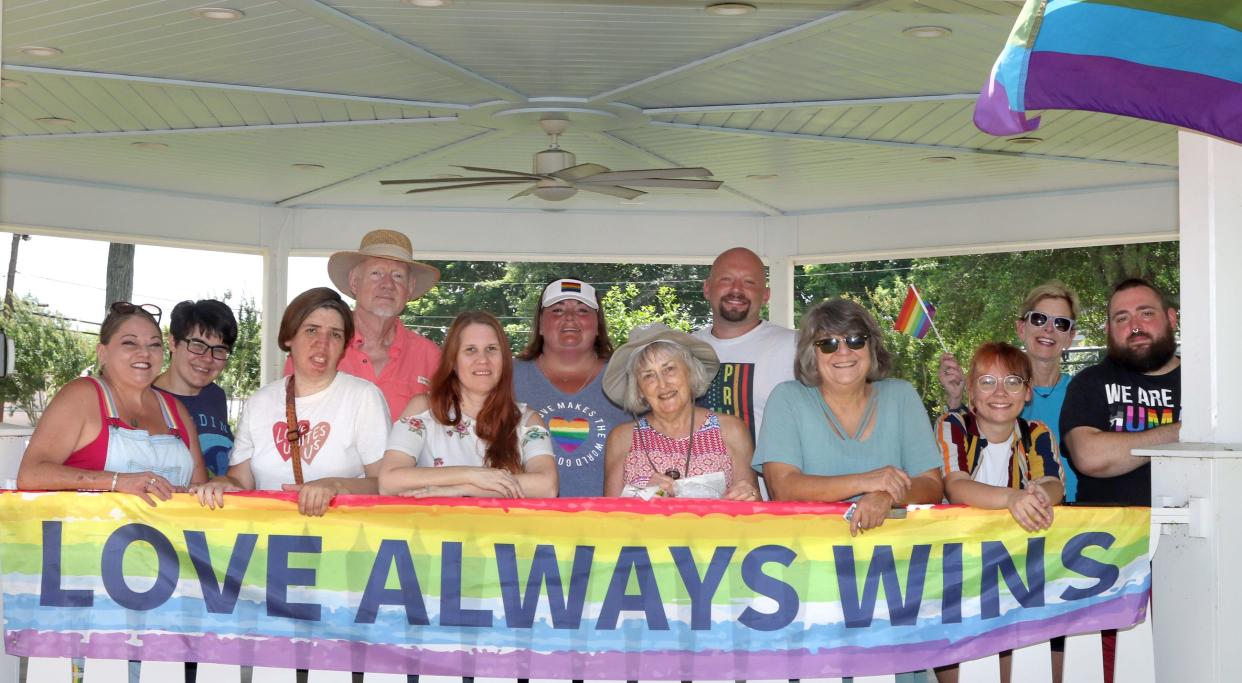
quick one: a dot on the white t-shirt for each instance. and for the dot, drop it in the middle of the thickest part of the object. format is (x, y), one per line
(437, 445)
(345, 427)
(993, 469)
(750, 368)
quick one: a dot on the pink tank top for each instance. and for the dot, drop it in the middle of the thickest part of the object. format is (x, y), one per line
(652, 451)
(93, 455)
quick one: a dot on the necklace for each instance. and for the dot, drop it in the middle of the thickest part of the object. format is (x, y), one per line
(590, 376)
(1043, 394)
(672, 472)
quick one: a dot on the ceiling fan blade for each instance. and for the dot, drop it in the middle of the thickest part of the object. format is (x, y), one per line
(412, 181)
(520, 174)
(659, 173)
(666, 182)
(525, 192)
(462, 185)
(575, 173)
(613, 190)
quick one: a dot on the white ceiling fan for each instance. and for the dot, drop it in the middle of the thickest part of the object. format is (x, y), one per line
(557, 176)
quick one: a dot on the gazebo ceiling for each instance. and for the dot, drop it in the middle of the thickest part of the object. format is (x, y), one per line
(801, 107)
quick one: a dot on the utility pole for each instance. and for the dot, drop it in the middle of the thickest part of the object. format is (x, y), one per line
(120, 285)
(8, 289)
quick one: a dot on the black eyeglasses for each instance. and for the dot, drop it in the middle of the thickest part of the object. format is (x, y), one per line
(1059, 323)
(198, 347)
(831, 344)
(126, 308)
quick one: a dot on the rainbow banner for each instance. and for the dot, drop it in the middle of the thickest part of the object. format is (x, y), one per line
(1175, 61)
(565, 589)
(914, 319)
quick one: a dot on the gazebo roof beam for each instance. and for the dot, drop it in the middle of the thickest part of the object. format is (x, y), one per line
(234, 87)
(942, 149)
(735, 53)
(817, 104)
(226, 129)
(419, 56)
(425, 155)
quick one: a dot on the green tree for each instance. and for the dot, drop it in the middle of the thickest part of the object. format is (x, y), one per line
(977, 296)
(48, 355)
(510, 291)
(624, 314)
(241, 376)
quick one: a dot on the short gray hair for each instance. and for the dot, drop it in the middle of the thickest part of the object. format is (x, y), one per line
(632, 398)
(839, 318)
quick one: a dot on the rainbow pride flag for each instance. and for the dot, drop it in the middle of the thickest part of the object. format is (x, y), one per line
(914, 319)
(601, 589)
(1174, 61)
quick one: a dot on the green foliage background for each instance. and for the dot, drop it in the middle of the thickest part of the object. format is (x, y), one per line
(976, 296)
(48, 355)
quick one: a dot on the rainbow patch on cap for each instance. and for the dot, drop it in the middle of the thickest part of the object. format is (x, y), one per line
(571, 287)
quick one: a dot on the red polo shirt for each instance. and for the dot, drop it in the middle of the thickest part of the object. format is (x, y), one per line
(412, 360)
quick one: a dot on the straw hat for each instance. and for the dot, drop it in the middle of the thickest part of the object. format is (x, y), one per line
(642, 337)
(385, 244)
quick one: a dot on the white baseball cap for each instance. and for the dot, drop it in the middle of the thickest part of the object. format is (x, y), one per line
(565, 289)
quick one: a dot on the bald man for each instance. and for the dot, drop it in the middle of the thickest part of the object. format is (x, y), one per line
(755, 355)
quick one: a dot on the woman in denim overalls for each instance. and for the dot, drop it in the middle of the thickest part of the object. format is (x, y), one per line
(114, 432)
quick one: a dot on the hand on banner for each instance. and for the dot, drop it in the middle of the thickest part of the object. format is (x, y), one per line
(666, 484)
(211, 494)
(314, 497)
(144, 485)
(953, 380)
(871, 511)
(1031, 508)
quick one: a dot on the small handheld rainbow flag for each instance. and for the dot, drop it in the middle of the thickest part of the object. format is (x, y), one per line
(915, 318)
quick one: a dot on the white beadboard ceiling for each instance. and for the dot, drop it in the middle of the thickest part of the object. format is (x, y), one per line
(804, 106)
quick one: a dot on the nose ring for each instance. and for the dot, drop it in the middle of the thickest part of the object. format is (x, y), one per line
(1134, 330)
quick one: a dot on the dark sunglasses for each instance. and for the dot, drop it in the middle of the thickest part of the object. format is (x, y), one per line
(831, 344)
(199, 347)
(1059, 323)
(126, 308)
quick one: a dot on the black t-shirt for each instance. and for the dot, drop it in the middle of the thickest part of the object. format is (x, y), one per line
(1112, 398)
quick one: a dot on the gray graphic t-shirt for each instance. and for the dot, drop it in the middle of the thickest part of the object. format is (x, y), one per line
(579, 424)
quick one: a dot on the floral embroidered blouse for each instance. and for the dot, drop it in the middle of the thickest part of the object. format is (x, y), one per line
(438, 445)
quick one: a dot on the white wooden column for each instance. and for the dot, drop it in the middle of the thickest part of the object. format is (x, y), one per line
(780, 245)
(277, 240)
(1196, 601)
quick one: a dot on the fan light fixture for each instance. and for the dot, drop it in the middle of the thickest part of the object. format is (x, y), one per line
(940, 160)
(10, 83)
(554, 193)
(428, 3)
(40, 51)
(302, 166)
(218, 13)
(730, 9)
(1024, 140)
(927, 32)
(55, 121)
(762, 176)
(146, 144)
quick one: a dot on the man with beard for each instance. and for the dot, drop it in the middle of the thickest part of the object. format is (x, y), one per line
(382, 276)
(755, 355)
(1130, 400)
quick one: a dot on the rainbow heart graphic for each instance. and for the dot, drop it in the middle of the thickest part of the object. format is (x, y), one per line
(569, 434)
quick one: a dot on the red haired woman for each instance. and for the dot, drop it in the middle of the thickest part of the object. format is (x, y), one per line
(468, 436)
